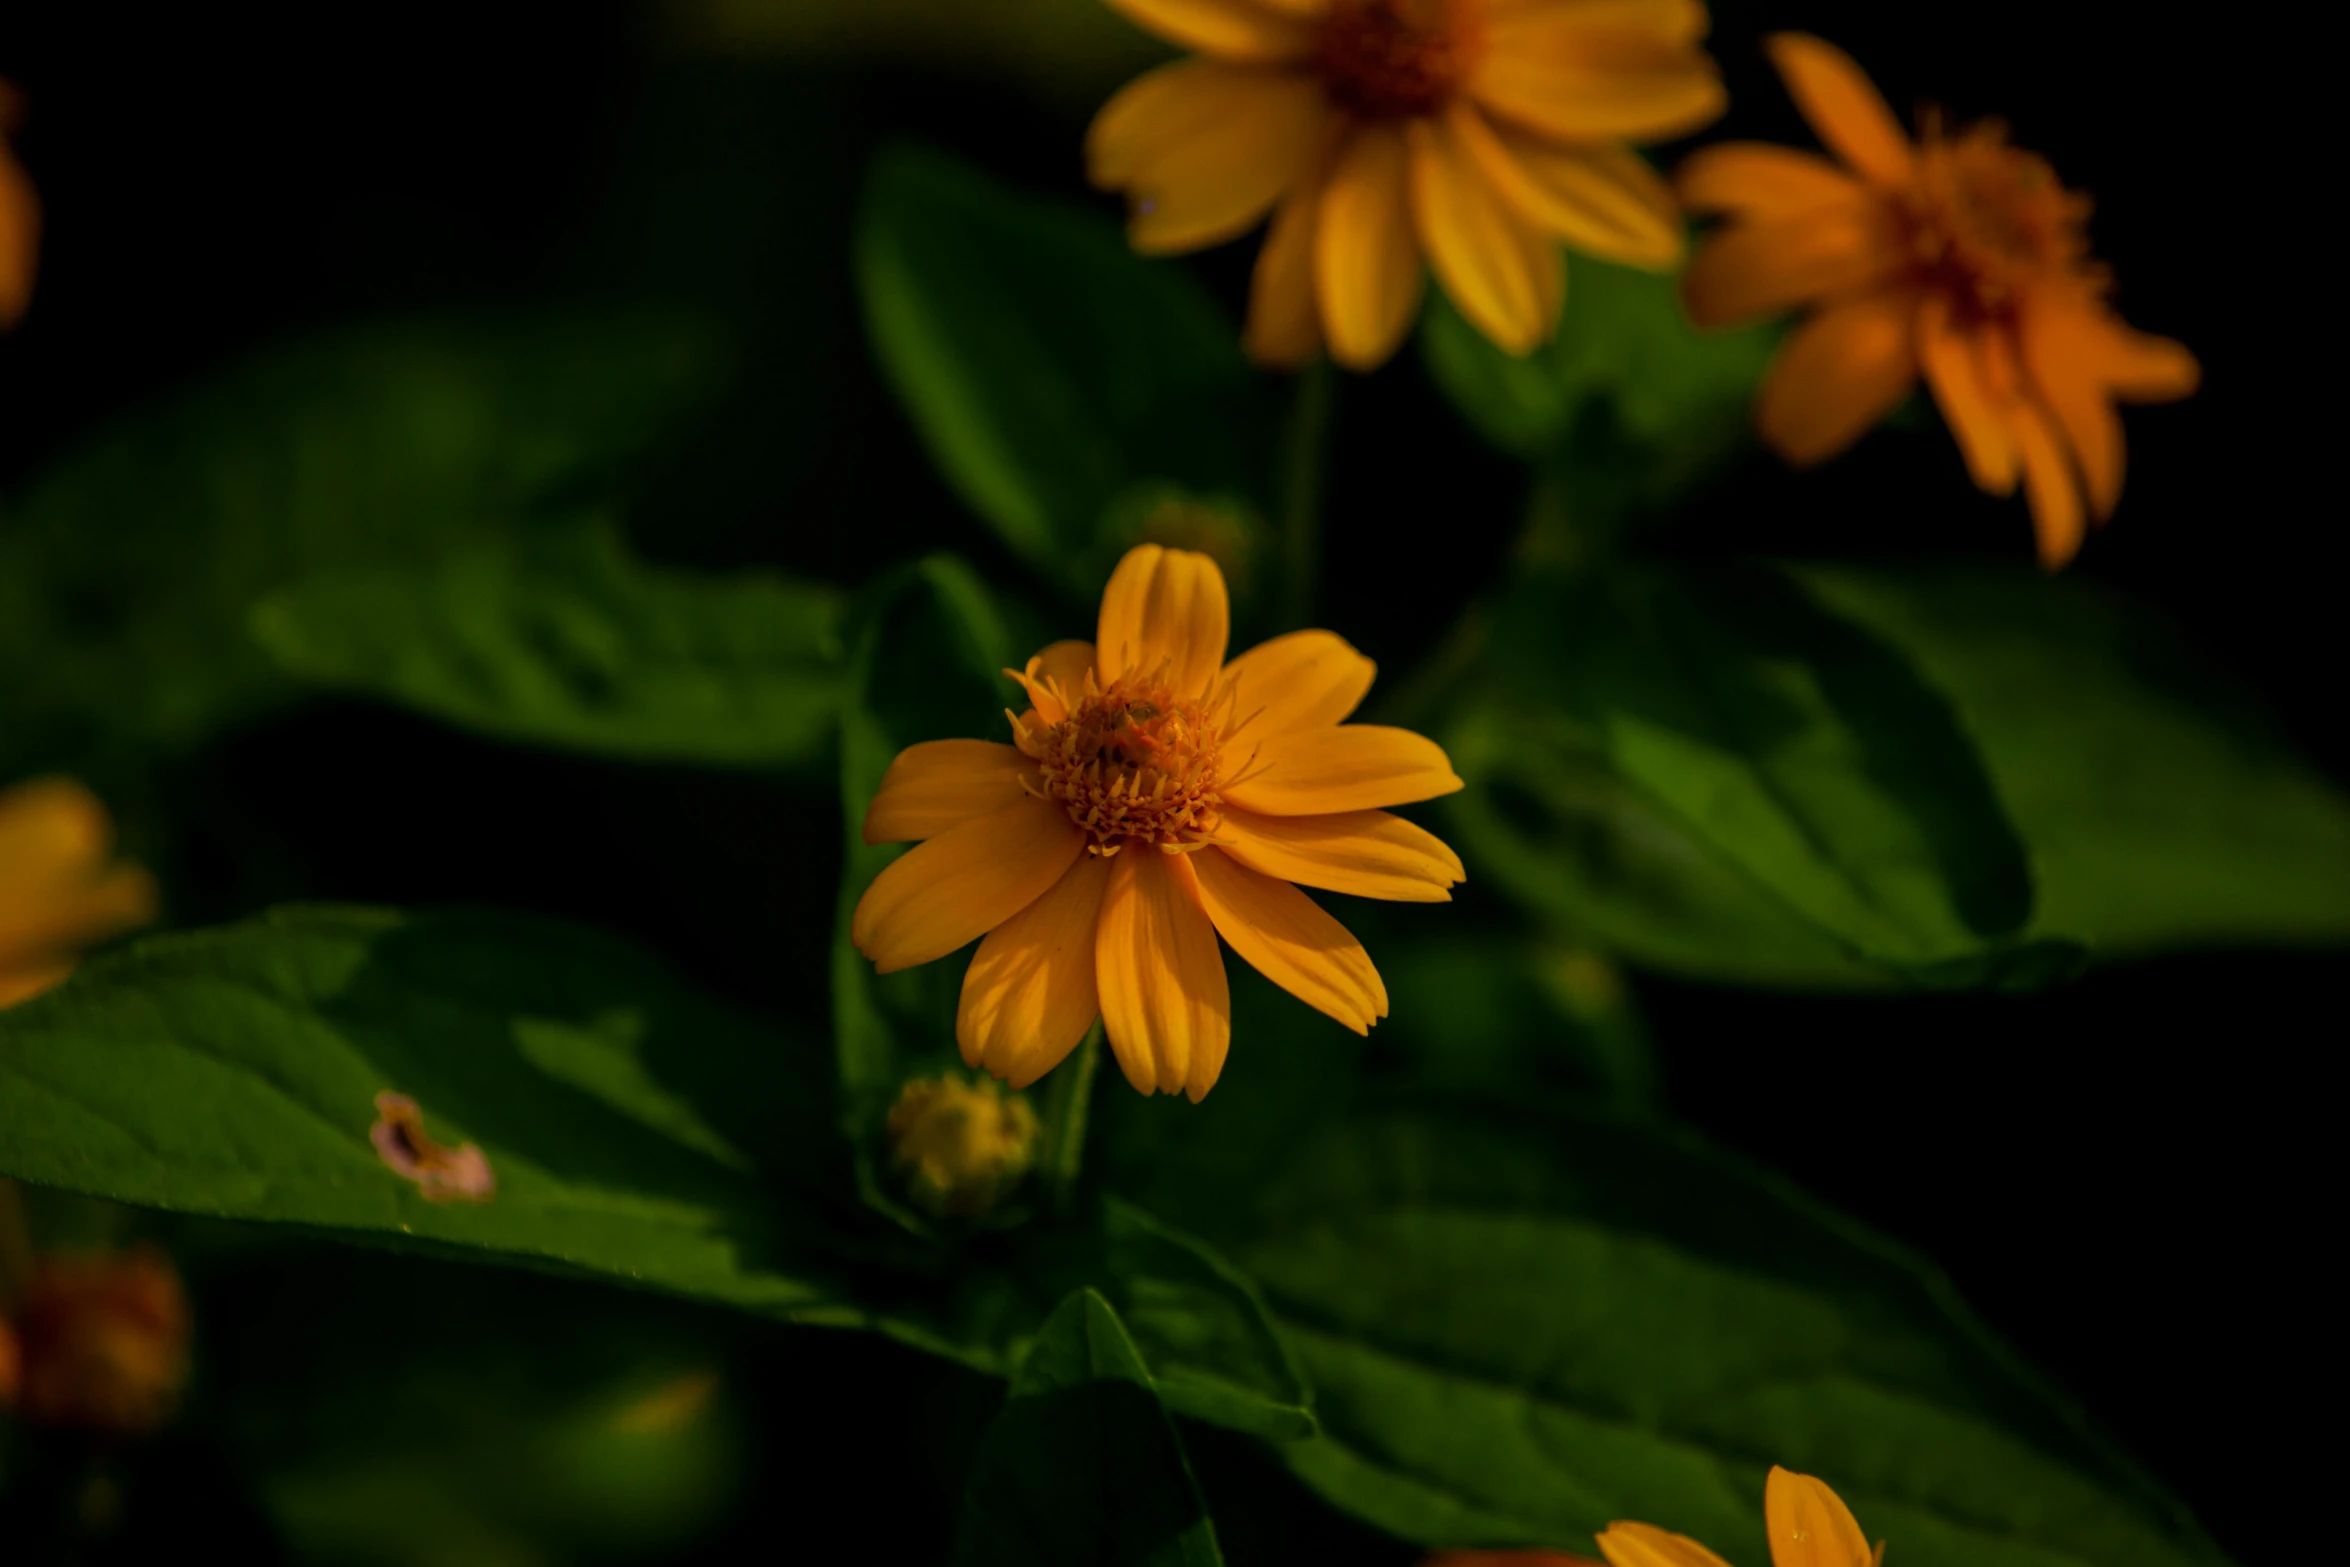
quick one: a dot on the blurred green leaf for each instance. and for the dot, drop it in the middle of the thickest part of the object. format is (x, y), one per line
(1520, 1326)
(2162, 810)
(1083, 1468)
(637, 1132)
(1048, 367)
(127, 570)
(1803, 753)
(569, 641)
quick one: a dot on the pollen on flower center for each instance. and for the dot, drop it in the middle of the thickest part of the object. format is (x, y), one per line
(1990, 216)
(1135, 764)
(1387, 59)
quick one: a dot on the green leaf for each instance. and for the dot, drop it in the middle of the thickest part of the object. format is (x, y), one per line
(127, 569)
(1519, 1327)
(1627, 395)
(2162, 810)
(1083, 1468)
(1801, 751)
(570, 642)
(1047, 367)
(637, 1132)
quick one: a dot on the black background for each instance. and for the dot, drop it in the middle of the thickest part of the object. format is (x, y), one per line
(2123, 1176)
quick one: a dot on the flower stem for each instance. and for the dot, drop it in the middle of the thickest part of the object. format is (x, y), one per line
(1072, 1098)
(1305, 450)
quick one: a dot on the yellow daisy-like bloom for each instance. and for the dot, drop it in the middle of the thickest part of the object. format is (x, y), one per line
(1154, 797)
(20, 218)
(1955, 256)
(61, 888)
(1809, 1526)
(1474, 133)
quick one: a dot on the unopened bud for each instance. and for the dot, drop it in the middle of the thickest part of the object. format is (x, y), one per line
(961, 1146)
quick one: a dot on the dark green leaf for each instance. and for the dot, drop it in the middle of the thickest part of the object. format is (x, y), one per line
(1083, 1468)
(2161, 808)
(1520, 1327)
(571, 642)
(1047, 366)
(1803, 752)
(128, 569)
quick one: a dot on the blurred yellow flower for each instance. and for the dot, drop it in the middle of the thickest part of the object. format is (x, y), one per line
(1808, 1524)
(1957, 256)
(961, 1146)
(98, 1341)
(1474, 133)
(20, 217)
(61, 888)
(1155, 797)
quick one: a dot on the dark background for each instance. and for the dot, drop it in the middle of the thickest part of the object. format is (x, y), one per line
(2123, 1175)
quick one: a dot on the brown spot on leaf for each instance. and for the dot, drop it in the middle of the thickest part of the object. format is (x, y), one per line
(460, 1174)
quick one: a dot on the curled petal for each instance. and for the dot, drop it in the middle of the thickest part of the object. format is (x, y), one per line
(1029, 995)
(1500, 271)
(1602, 199)
(1748, 271)
(1952, 359)
(1367, 853)
(1840, 373)
(1809, 1524)
(1367, 272)
(1166, 1005)
(963, 883)
(1301, 680)
(941, 784)
(1228, 29)
(1349, 767)
(1165, 607)
(1285, 936)
(1645, 1545)
(1844, 108)
(1756, 180)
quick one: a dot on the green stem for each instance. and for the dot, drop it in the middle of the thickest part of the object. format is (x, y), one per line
(1072, 1099)
(1304, 457)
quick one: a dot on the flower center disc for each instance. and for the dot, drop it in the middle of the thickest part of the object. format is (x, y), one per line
(1134, 765)
(1388, 59)
(1994, 217)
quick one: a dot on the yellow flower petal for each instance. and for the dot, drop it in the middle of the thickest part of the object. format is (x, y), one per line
(2059, 347)
(1284, 330)
(2058, 521)
(2138, 367)
(60, 889)
(1303, 680)
(1844, 108)
(1204, 149)
(1751, 270)
(963, 883)
(1645, 1545)
(1809, 1524)
(1497, 268)
(1285, 936)
(1029, 995)
(1754, 179)
(1165, 606)
(1599, 72)
(1228, 29)
(1350, 767)
(1603, 199)
(1952, 360)
(1367, 272)
(1367, 853)
(1840, 373)
(1165, 1003)
(941, 784)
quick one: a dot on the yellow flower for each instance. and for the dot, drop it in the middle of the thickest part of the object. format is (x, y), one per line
(1809, 1526)
(60, 886)
(99, 1341)
(1156, 797)
(961, 1146)
(1475, 133)
(20, 218)
(1957, 256)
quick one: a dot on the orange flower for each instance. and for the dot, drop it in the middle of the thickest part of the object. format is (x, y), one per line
(1156, 797)
(20, 218)
(1472, 132)
(1808, 1524)
(61, 888)
(100, 1341)
(1956, 255)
